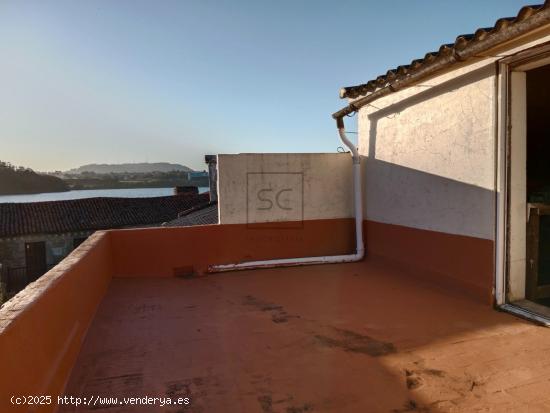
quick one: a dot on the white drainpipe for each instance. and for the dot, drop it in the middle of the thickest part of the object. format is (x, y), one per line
(358, 211)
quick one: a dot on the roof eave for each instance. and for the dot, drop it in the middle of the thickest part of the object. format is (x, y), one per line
(465, 47)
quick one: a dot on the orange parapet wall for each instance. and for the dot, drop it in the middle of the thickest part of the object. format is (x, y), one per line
(41, 329)
(459, 263)
(167, 252)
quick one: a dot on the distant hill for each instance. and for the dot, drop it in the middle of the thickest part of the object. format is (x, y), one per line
(19, 180)
(129, 168)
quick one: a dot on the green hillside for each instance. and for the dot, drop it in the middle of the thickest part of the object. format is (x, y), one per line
(19, 180)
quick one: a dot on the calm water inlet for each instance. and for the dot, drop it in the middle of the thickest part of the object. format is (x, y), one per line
(93, 193)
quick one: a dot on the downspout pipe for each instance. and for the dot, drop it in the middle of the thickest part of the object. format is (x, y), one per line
(332, 259)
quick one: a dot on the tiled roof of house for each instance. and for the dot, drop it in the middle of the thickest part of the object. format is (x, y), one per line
(92, 213)
(464, 47)
(204, 214)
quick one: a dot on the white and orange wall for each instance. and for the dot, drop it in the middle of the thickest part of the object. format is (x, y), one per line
(432, 157)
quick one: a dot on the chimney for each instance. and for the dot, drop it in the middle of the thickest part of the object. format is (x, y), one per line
(212, 161)
(187, 190)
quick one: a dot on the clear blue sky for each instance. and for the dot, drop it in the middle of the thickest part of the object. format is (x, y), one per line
(132, 81)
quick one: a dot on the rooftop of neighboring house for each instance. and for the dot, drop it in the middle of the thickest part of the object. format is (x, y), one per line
(465, 46)
(17, 219)
(203, 214)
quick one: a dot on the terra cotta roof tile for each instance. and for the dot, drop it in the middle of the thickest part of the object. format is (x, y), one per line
(536, 13)
(92, 213)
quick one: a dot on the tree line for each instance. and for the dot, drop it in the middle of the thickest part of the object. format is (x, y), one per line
(20, 180)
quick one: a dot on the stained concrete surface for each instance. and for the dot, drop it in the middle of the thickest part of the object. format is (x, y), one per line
(359, 337)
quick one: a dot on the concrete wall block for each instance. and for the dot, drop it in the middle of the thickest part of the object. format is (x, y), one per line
(284, 187)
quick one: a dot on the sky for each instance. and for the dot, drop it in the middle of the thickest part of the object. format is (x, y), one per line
(94, 81)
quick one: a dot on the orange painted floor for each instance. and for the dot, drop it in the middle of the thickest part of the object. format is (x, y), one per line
(337, 338)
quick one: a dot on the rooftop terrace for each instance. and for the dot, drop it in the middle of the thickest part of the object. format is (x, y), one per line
(335, 338)
(131, 313)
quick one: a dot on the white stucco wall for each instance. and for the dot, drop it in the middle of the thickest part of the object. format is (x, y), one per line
(429, 154)
(309, 185)
(430, 150)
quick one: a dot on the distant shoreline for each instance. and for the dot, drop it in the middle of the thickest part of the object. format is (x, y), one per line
(11, 193)
(107, 186)
(24, 181)
(144, 185)
(122, 185)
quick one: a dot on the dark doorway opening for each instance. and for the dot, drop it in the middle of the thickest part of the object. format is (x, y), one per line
(538, 186)
(35, 256)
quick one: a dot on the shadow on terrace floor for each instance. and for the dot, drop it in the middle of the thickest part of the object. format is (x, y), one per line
(336, 338)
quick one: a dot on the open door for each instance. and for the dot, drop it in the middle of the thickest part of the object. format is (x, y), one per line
(527, 161)
(537, 286)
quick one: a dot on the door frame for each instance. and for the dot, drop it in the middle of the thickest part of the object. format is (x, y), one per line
(511, 211)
